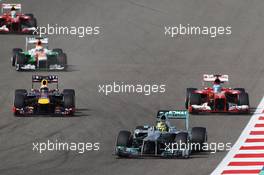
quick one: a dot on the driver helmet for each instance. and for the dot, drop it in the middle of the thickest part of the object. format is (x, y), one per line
(13, 12)
(161, 124)
(39, 46)
(217, 85)
(44, 86)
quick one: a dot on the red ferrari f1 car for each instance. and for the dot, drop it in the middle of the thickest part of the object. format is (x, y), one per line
(13, 21)
(217, 99)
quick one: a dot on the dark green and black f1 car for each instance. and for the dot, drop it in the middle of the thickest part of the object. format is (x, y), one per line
(38, 57)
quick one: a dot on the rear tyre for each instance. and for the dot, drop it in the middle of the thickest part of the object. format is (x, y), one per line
(62, 60)
(19, 102)
(20, 61)
(69, 98)
(15, 51)
(69, 101)
(199, 137)
(2, 22)
(69, 91)
(59, 51)
(33, 23)
(30, 15)
(20, 91)
(187, 98)
(195, 99)
(243, 99)
(242, 90)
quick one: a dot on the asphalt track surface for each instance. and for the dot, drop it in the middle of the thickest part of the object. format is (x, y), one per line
(132, 48)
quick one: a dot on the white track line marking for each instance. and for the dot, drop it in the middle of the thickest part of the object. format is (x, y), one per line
(246, 133)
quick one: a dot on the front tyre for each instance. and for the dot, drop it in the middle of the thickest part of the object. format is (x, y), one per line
(189, 91)
(15, 51)
(124, 140)
(62, 60)
(19, 102)
(199, 137)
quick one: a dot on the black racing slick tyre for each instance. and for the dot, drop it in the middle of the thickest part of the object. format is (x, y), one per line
(242, 90)
(21, 91)
(199, 137)
(195, 99)
(33, 22)
(20, 61)
(59, 51)
(2, 22)
(19, 101)
(15, 51)
(188, 94)
(30, 15)
(243, 99)
(62, 60)
(69, 91)
(124, 139)
(69, 100)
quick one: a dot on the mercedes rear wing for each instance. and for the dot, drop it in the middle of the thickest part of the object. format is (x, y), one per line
(175, 114)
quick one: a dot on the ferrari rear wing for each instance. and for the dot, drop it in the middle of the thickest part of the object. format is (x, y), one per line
(175, 114)
(213, 77)
(10, 6)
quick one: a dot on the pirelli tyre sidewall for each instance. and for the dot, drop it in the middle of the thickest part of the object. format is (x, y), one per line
(189, 91)
(124, 139)
(15, 51)
(198, 137)
(69, 99)
(242, 90)
(30, 15)
(57, 50)
(32, 22)
(19, 100)
(243, 99)
(2, 22)
(62, 60)
(195, 99)
(20, 61)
